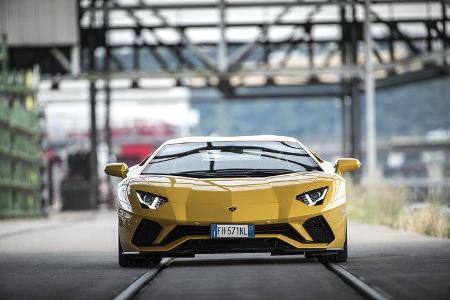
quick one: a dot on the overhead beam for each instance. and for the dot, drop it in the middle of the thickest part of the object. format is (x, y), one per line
(247, 4)
(61, 59)
(210, 62)
(195, 74)
(322, 41)
(411, 77)
(393, 26)
(261, 24)
(140, 26)
(424, 58)
(244, 50)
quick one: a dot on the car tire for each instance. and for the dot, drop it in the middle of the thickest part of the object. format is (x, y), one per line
(339, 257)
(136, 261)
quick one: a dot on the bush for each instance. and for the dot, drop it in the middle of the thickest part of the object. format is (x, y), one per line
(385, 204)
(428, 219)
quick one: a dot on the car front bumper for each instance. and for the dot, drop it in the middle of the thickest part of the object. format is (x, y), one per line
(165, 236)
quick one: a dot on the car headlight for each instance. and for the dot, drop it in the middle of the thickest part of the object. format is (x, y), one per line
(122, 195)
(150, 201)
(313, 197)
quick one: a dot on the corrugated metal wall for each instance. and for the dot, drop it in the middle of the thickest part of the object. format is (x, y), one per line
(39, 22)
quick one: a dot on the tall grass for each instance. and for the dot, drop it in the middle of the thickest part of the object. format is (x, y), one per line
(385, 204)
(427, 219)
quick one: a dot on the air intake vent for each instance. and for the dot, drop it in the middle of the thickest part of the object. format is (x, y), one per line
(146, 233)
(184, 230)
(319, 230)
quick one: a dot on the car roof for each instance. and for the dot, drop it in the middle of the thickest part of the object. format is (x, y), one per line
(250, 138)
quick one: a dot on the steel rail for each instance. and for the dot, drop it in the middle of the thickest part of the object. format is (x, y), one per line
(357, 283)
(350, 279)
(138, 284)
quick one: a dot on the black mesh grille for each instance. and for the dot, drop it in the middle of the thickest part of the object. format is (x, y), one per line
(145, 233)
(319, 230)
(233, 245)
(283, 228)
(184, 230)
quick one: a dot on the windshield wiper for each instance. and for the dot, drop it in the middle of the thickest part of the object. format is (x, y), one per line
(202, 173)
(235, 172)
(269, 172)
(230, 173)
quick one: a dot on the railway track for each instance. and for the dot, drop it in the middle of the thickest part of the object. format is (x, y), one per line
(352, 281)
(137, 285)
(53, 263)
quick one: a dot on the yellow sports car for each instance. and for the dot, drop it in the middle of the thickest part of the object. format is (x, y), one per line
(232, 194)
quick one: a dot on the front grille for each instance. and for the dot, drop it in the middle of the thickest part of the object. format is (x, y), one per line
(319, 230)
(232, 246)
(146, 233)
(185, 230)
(283, 228)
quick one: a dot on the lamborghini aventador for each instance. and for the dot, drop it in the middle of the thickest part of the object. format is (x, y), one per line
(231, 194)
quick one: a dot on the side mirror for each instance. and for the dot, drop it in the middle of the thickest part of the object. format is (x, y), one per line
(347, 165)
(116, 169)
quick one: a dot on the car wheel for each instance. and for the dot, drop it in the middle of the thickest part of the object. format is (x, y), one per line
(339, 257)
(136, 261)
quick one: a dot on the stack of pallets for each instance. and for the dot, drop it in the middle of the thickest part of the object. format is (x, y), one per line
(19, 143)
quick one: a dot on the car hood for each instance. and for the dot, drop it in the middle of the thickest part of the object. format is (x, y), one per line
(207, 190)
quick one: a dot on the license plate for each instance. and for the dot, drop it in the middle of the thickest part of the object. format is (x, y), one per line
(232, 231)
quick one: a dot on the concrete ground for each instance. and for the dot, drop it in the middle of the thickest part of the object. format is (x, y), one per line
(73, 256)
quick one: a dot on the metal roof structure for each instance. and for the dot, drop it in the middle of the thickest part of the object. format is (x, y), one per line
(267, 49)
(245, 49)
(228, 44)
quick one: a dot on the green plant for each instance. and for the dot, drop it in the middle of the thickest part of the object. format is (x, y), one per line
(376, 203)
(385, 204)
(427, 218)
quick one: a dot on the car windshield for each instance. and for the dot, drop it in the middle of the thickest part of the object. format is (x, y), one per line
(231, 159)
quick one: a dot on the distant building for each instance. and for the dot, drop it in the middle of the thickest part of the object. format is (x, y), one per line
(42, 32)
